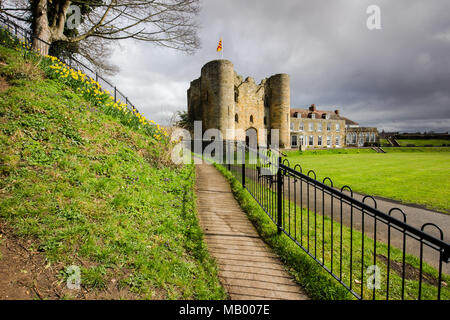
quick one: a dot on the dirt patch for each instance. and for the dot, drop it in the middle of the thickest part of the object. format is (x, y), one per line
(411, 273)
(3, 84)
(26, 274)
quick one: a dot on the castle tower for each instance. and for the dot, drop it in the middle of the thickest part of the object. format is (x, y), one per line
(217, 93)
(279, 104)
(221, 99)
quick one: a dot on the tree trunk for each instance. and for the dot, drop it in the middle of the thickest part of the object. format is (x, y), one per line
(41, 34)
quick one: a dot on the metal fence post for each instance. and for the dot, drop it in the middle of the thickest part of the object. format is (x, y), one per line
(243, 166)
(115, 94)
(226, 157)
(279, 197)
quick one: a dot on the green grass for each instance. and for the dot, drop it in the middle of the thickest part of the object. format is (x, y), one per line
(322, 237)
(89, 190)
(410, 175)
(423, 142)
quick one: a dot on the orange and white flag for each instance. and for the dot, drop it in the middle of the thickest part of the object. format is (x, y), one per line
(219, 47)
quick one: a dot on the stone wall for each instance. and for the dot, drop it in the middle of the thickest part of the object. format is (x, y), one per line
(250, 113)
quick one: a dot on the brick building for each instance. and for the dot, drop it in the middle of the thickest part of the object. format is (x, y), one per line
(312, 128)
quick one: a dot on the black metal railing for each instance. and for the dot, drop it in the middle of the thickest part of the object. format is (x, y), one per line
(38, 45)
(373, 254)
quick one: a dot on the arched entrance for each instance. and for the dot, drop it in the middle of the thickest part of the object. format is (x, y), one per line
(251, 137)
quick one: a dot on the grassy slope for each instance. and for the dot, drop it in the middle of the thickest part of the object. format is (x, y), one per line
(411, 175)
(317, 283)
(80, 185)
(416, 149)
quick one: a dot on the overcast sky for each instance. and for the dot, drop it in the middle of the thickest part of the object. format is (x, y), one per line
(396, 78)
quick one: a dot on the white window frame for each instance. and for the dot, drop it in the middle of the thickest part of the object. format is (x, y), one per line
(319, 140)
(338, 141)
(311, 126)
(338, 127)
(311, 141)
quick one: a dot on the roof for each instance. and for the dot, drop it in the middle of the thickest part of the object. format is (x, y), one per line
(349, 122)
(306, 113)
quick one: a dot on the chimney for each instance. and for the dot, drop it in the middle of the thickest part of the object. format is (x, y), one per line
(312, 108)
(336, 111)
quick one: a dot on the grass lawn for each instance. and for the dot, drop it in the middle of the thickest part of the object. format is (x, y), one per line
(82, 186)
(324, 244)
(411, 175)
(419, 143)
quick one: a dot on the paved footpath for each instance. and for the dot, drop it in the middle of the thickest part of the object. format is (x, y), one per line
(248, 268)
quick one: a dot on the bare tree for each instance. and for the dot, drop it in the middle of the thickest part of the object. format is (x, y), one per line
(168, 23)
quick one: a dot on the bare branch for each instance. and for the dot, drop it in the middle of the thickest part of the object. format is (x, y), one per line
(166, 23)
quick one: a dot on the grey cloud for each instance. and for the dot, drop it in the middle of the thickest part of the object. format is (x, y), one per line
(397, 77)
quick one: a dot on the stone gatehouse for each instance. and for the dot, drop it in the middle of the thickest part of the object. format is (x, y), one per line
(222, 99)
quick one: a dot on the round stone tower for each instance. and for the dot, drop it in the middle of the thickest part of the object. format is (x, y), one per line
(279, 104)
(217, 86)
